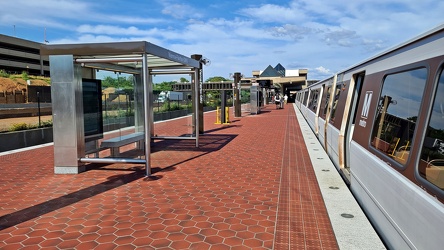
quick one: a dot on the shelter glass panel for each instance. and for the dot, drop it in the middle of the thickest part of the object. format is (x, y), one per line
(123, 111)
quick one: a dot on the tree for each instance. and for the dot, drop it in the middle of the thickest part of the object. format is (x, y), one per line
(216, 79)
(119, 83)
(183, 79)
(164, 86)
(213, 96)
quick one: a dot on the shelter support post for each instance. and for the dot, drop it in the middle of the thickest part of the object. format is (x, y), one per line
(148, 117)
(196, 104)
(67, 114)
(197, 97)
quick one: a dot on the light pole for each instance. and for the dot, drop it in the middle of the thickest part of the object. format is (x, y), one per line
(38, 106)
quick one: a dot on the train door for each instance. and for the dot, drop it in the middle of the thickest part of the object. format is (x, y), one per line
(318, 108)
(354, 94)
(330, 100)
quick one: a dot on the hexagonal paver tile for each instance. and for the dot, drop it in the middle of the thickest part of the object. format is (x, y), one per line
(160, 243)
(214, 239)
(233, 241)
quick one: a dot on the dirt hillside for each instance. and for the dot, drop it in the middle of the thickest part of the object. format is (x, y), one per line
(11, 84)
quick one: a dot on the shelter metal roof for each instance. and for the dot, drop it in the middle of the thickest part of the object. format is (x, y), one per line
(122, 56)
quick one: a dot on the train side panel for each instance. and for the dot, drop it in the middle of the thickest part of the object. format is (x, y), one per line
(332, 144)
(304, 108)
(321, 134)
(392, 116)
(406, 214)
(310, 117)
(313, 108)
(391, 143)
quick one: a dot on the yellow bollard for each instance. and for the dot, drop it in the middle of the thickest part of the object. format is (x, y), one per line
(227, 115)
(217, 116)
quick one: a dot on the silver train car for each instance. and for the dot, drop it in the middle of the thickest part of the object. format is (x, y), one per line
(382, 124)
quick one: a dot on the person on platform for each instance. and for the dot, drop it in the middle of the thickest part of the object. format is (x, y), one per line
(277, 100)
(285, 99)
(281, 104)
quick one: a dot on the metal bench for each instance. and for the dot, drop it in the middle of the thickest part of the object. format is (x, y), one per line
(115, 143)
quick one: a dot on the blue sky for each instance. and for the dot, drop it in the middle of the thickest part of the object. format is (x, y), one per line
(237, 36)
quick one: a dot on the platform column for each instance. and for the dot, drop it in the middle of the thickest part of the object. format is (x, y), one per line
(237, 100)
(223, 104)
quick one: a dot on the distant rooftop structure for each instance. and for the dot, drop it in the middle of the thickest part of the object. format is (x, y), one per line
(286, 80)
(279, 71)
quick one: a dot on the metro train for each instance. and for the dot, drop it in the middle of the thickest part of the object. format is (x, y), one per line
(381, 122)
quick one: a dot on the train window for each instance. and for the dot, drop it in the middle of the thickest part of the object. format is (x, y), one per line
(327, 98)
(314, 100)
(305, 98)
(431, 165)
(311, 99)
(335, 102)
(397, 112)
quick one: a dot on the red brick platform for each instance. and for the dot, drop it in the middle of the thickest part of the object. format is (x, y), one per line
(250, 185)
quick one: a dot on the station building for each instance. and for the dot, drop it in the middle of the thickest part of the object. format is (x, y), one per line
(282, 80)
(18, 55)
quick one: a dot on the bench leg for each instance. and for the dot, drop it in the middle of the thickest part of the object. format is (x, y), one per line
(115, 151)
(140, 144)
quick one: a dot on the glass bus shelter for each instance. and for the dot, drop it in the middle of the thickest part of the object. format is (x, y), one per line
(77, 98)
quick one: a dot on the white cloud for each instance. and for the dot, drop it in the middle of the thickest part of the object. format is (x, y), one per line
(179, 10)
(292, 31)
(323, 70)
(344, 38)
(131, 19)
(276, 13)
(374, 45)
(90, 38)
(115, 30)
(45, 9)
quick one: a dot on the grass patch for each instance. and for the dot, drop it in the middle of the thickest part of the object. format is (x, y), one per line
(25, 76)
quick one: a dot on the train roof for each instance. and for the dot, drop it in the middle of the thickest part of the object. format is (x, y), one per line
(428, 33)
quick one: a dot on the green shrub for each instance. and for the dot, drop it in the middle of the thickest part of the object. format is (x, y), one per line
(25, 126)
(175, 106)
(25, 75)
(3, 73)
(125, 113)
(46, 124)
(19, 126)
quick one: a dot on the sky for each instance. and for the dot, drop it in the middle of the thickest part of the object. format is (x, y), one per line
(321, 36)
